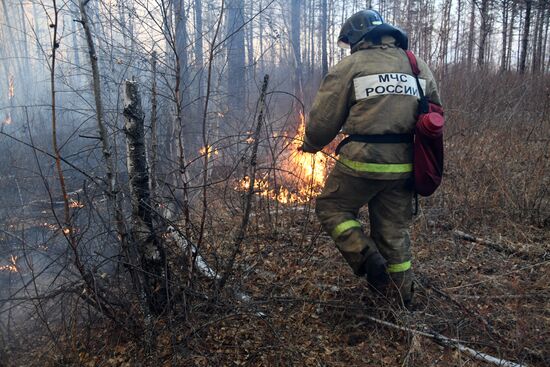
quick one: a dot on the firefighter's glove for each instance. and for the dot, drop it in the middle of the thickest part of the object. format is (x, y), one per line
(306, 148)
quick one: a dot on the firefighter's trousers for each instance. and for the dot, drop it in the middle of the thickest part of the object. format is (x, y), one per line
(390, 215)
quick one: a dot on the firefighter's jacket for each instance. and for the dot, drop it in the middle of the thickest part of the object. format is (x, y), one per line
(371, 92)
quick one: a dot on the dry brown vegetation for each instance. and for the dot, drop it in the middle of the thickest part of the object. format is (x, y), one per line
(305, 306)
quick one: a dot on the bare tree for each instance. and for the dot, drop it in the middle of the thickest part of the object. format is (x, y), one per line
(295, 30)
(324, 20)
(236, 89)
(525, 37)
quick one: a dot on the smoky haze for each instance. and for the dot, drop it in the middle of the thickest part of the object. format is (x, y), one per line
(92, 233)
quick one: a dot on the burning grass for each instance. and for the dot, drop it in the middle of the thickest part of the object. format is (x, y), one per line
(300, 175)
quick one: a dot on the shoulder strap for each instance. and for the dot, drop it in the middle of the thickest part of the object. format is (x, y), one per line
(412, 61)
(423, 106)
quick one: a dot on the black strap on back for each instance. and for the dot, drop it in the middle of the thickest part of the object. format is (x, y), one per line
(376, 139)
(423, 104)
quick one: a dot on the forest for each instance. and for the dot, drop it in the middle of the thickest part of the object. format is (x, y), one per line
(156, 209)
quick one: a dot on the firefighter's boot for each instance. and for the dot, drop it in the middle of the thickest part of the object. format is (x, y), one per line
(376, 273)
(401, 288)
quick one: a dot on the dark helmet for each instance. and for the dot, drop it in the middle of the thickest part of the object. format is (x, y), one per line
(369, 25)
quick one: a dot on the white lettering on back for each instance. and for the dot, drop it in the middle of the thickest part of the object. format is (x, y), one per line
(375, 85)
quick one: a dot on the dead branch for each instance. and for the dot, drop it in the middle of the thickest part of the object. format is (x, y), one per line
(493, 245)
(248, 204)
(451, 343)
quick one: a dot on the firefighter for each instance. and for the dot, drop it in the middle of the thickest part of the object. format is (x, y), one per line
(371, 96)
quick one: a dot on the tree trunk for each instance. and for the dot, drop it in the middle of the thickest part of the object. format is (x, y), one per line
(312, 46)
(324, 21)
(471, 35)
(504, 51)
(199, 58)
(483, 33)
(151, 253)
(457, 39)
(525, 39)
(112, 186)
(444, 37)
(545, 63)
(511, 36)
(295, 30)
(261, 28)
(187, 129)
(154, 120)
(236, 87)
(537, 40)
(250, 41)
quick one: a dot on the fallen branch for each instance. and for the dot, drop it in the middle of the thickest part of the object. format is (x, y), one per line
(201, 264)
(495, 246)
(449, 342)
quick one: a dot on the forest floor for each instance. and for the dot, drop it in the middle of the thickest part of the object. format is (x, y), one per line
(306, 308)
(315, 308)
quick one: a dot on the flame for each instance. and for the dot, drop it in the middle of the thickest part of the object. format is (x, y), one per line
(12, 266)
(208, 150)
(11, 90)
(313, 166)
(262, 188)
(7, 120)
(75, 204)
(303, 174)
(51, 227)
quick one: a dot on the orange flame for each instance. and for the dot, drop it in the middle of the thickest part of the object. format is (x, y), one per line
(313, 166)
(208, 150)
(303, 177)
(7, 120)
(12, 266)
(11, 91)
(75, 204)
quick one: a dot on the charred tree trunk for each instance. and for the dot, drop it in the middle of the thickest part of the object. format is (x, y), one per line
(151, 253)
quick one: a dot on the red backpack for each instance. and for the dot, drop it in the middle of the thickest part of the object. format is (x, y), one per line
(428, 141)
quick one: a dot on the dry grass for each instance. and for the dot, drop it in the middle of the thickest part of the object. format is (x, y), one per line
(496, 187)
